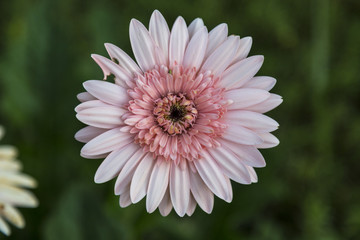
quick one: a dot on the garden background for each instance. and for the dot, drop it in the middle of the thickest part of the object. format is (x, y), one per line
(310, 188)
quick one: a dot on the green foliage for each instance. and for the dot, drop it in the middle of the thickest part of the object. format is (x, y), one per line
(310, 187)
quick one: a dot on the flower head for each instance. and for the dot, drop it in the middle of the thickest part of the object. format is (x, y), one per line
(12, 192)
(181, 122)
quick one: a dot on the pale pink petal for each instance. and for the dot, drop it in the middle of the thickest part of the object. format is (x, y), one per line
(245, 97)
(211, 174)
(179, 39)
(127, 172)
(143, 45)
(107, 92)
(202, 194)
(253, 174)
(180, 187)
(99, 156)
(106, 142)
(87, 133)
(160, 32)
(249, 155)
(243, 50)
(229, 187)
(124, 60)
(230, 164)
(220, 59)
(124, 200)
(252, 120)
(241, 72)
(195, 51)
(102, 117)
(191, 206)
(217, 36)
(109, 67)
(165, 205)
(269, 104)
(140, 180)
(270, 141)
(91, 104)
(194, 26)
(158, 184)
(85, 96)
(241, 135)
(262, 82)
(114, 162)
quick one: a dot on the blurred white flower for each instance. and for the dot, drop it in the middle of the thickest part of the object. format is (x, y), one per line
(12, 192)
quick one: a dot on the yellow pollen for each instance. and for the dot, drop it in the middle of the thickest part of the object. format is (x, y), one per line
(171, 129)
(188, 117)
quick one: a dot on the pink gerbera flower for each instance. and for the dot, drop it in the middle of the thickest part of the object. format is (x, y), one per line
(181, 122)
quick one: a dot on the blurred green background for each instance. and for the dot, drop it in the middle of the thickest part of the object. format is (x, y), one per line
(310, 187)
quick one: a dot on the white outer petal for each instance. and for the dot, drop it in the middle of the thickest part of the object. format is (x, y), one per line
(244, 49)
(102, 117)
(241, 135)
(107, 92)
(179, 38)
(10, 166)
(85, 96)
(107, 142)
(270, 141)
(194, 26)
(212, 175)
(253, 174)
(124, 60)
(255, 121)
(195, 51)
(87, 133)
(127, 172)
(8, 152)
(220, 59)
(4, 227)
(142, 45)
(140, 180)
(249, 155)
(269, 104)
(17, 179)
(231, 164)
(158, 184)
(122, 77)
(261, 82)
(13, 215)
(114, 162)
(217, 36)
(165, 205)
(124, 200)
(241, 72)
(245, 97)
(99, 156)
(180, 187)
(17, 196)
(160, 32)
(91, 104)
(202, 194)
(191, 206)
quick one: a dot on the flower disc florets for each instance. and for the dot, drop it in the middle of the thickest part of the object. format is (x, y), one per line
(176, 113)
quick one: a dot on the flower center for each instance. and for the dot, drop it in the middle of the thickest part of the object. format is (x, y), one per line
(175, 113)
